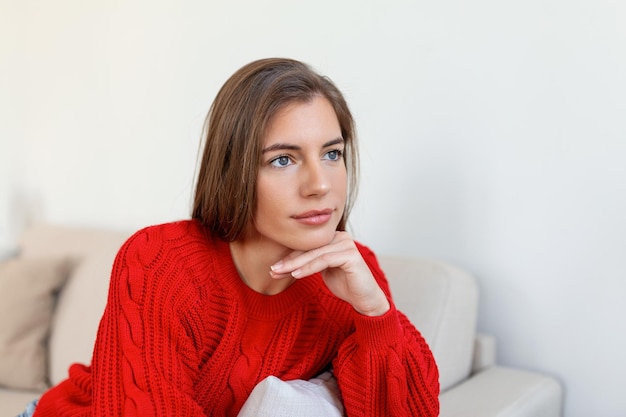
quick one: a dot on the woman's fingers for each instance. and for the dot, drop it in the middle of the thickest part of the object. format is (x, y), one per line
(322, 262)
(281, 273)
(301, 264)
(344, 271)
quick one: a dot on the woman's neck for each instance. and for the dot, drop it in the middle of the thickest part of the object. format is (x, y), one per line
(253, 259)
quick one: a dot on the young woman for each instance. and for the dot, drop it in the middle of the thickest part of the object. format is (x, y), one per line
(263, 281)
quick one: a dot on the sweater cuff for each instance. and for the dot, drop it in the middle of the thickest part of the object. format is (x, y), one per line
(378, 332)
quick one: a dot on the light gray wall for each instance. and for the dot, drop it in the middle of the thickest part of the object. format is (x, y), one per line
(493, 136)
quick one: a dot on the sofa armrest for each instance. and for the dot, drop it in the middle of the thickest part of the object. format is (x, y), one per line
(484, 352)
(503, 392)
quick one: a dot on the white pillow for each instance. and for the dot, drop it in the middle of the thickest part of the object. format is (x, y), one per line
(318, 397)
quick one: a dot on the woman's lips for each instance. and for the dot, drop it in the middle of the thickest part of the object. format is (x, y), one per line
(314, 217)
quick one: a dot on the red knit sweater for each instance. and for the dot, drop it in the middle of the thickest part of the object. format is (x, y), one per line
(182, 335)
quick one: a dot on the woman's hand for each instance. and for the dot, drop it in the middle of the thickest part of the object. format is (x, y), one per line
(344, 271)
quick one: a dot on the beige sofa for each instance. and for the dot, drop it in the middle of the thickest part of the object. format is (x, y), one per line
(440, 299)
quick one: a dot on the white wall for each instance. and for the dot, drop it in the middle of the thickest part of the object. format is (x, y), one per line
(493, 136)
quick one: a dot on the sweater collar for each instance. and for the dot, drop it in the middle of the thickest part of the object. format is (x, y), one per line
(257, 304)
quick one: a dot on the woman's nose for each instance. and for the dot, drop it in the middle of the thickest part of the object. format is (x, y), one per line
(315, 182)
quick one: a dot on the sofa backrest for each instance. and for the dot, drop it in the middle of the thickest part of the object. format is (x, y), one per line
(442, 302)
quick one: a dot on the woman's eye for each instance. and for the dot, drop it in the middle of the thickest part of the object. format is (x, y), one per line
(281, 161)
(333, 155)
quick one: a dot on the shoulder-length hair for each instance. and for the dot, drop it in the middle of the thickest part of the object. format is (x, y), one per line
(225, 195)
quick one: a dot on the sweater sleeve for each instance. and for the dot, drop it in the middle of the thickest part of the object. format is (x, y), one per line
(144, 361)
(385, 368)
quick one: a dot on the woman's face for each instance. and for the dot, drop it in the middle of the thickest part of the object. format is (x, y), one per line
(302, 179)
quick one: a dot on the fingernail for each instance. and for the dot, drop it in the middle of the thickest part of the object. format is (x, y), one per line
(296, 273)
(276, 266)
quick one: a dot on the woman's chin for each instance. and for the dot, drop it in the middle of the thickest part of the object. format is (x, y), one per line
(313, 242)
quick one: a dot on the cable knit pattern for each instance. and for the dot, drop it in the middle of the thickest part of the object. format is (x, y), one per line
(182, 335)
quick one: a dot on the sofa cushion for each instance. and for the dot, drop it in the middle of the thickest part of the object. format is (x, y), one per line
(27, 296)
(13, 402)
(442, 302)
(501, 391)
(79, 309)
(81, 304)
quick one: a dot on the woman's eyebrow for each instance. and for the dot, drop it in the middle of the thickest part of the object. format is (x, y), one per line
(337, 141)
(286, 146)
(280, 147)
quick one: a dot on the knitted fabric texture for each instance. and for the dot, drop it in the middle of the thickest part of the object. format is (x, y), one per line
(182, 335)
